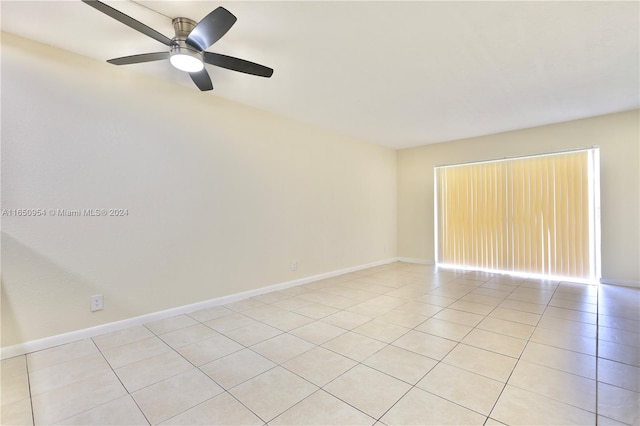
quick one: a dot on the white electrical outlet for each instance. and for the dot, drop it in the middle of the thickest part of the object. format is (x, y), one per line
(294, 265)
(97, 303)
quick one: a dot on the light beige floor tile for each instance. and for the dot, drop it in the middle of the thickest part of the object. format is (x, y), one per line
(467, 389)
(575, 328)
(221, 410)
(14, 388)
(520, 407)
(288, 321)
(291, 304)
(120, 356)
(606, 421)
(15, 366)
(621, 353)
(377, 306)
(403, 319)
(58, 375)
(17, 413)
(319, 365)
(620, 308)
(401, 364)
(187, 335)
(63, 353)
(282, 348)
(409, 292)
(531, 295)
(425, 344)
(419, 308)
(564, 387)
(569, 314)
(329, 299)
(253, 333)
(474, 308)
(621, 337)
(494, 342)
(507, 286)
(271, 297)
(316, 310)
(208, 314)
(448, 330)
(272, 393)
(347, 320)
(515, 316)
(121, 411)
(52, 407)
(485, 296)
(422, 408)
(354, 346)
(516, 305)
(381, 330)
(370, 309)
(321, 409)
(495, 296)
(387, 302)
(564, 340)
(480, 361)
(317, 332)
(244, 305)
(560, 359)
(453, 293)
(170, 324)
(122, 337)
(509, 328)
(433, 299)
(368, 390)
(172, 396)
(613, 321)
(264, 312)
(350, 292)
(574, 305)
(151, 370)
(209, 350)
(236, 368)
(229, 322)
(619, 404)
(459, 317)
(618, 374)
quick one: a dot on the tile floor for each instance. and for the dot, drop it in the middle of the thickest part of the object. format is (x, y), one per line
(395, 344)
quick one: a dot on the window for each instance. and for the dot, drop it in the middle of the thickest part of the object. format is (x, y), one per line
(536, 215)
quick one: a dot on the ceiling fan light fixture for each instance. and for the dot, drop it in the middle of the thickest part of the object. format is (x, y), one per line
(186, 59)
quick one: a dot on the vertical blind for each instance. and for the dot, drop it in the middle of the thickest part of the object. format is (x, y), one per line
(530, 215)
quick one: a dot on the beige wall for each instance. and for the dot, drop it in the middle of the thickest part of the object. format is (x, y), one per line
(221, 197)
(618, 137)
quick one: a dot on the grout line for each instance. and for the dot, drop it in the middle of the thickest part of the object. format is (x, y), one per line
(33, 414)
(597, 345)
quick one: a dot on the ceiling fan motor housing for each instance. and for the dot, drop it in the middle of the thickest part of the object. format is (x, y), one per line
(182, 52)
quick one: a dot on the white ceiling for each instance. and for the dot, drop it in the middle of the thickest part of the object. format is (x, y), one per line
(399, 74)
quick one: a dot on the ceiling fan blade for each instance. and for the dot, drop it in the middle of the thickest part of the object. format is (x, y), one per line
(128, 21)
(237, 64)
(136, 59)
(202, 80)
(211, 28)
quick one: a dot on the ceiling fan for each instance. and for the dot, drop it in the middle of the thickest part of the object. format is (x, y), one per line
(187, 49)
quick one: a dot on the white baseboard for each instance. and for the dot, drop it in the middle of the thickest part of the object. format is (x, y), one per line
(73, 336)
(415, 260)
(622, 283)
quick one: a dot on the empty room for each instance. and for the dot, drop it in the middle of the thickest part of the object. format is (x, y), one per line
(320, 213)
